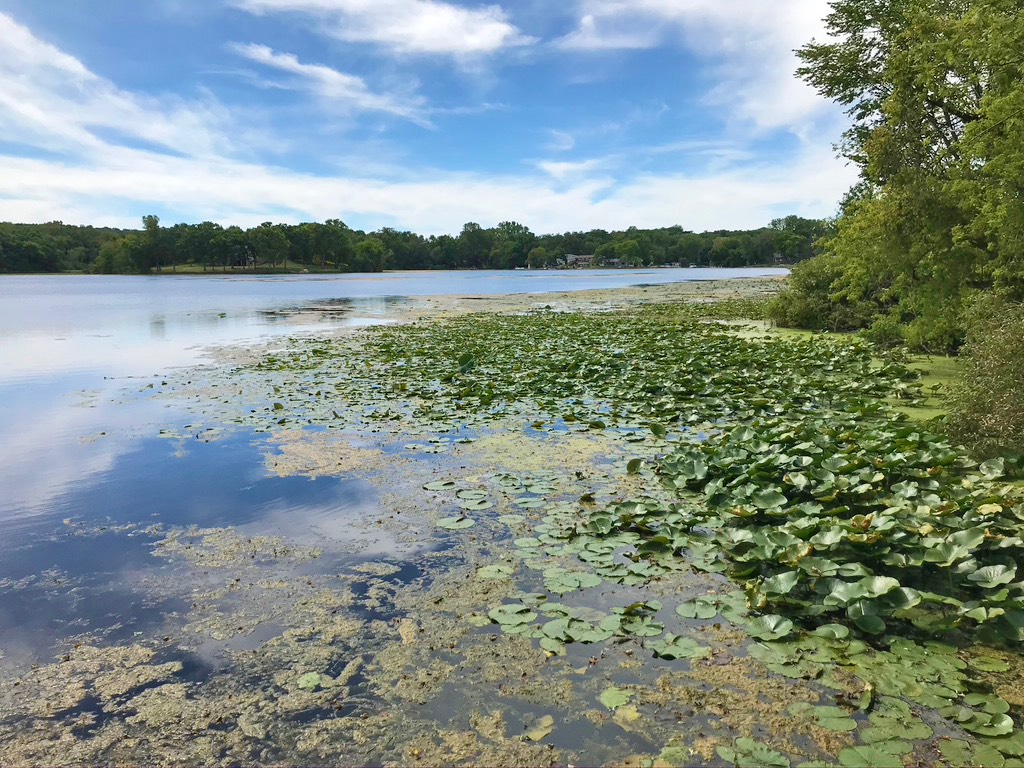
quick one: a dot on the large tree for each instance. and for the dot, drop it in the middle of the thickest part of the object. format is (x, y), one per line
(935, 90)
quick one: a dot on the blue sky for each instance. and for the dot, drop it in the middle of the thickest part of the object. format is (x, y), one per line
(415, 114)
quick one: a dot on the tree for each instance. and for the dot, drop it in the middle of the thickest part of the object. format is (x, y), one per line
(512, 245)
(371, 255)
(935, 90)
(474, 246)
(538, 257)
(269, 243)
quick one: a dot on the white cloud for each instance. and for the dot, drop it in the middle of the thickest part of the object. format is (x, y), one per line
(747, 195)
(111, 155)
(335, 89)
(592, 35)
(749, 44)
(50, 100)
(560, 141)
(406, 26)
(563, 169)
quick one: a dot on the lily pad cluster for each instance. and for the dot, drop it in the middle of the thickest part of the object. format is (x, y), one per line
(664, 365)
(869, 521)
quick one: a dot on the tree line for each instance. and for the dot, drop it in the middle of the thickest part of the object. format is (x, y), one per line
(333, 246)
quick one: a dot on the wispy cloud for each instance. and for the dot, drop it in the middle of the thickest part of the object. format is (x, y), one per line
(749, 45)
(560, 141)
(337, 90)
(595, 34)
(51, 100)
(560, 170)
(104, 154)
(407, 27)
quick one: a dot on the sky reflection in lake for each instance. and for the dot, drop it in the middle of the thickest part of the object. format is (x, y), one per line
(78, 437)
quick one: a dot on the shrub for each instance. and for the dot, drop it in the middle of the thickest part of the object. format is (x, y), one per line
(808, 300)
(887, 332)
(987, 401)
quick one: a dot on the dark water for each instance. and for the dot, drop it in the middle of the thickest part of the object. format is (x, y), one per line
(93, 569)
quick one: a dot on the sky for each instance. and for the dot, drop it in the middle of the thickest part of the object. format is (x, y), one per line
(422, 115)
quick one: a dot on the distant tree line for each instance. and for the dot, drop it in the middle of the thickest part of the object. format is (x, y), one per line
(333, 246)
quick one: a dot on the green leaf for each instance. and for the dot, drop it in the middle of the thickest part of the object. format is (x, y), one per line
(698, 609)
(540, 728)
(747, 753)
(494, 572)
(770, 627)
(552, 645)
(455, 523)
(511, 614)
(993, 468)
(475, 504)
(676, 647)
(992, 576)
(782, 584)
(441, 485)
(768, 499)
(613, 697)
(868, 757)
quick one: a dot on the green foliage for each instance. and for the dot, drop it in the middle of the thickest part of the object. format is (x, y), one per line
(332, 245)
(987, 401)
(807, 301)
(886, 332)
(837, 517)
(936, 105)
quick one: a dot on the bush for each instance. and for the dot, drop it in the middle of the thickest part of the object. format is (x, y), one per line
(886, 332)
(987, 402)
(808, 302)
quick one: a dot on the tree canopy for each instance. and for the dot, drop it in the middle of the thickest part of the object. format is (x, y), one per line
(935, 92)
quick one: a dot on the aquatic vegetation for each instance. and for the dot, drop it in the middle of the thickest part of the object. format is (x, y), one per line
(639, 512)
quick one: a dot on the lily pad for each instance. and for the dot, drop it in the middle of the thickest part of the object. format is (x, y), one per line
(770, 627)
(540, 728)
(494, 572)
(456, 523)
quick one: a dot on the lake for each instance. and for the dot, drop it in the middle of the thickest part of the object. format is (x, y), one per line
(291, 521)
(140, 325)
(104, 479)
(71, 346)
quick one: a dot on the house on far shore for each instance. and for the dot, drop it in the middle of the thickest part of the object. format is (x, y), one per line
(578, 262)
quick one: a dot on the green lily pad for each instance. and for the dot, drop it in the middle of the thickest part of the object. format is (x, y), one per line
(494, 572)
(770, 627)
(675, 647)
(511, 614)
(613, 697)
(440, 485)
(866, 756)
(747, 753)
(698, 609)
(456, 523)
(540, 728)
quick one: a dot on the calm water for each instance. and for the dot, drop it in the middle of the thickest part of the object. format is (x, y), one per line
(141, 325)
(76, 452)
